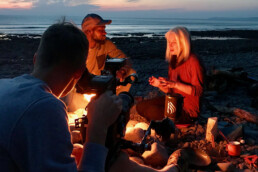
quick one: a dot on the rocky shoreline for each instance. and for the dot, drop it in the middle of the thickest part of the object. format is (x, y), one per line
(147, 54)
(236, 53)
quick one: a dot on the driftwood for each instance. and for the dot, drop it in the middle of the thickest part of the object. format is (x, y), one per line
(220, 79)
(249, 117)
(233, 75)
(246, 115)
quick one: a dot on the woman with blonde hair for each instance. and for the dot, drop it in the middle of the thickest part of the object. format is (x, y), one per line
(185, 77)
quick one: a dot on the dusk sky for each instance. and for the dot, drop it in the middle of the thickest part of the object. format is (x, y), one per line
(133, 8)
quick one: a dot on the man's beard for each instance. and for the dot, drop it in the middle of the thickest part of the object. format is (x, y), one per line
(98, 40)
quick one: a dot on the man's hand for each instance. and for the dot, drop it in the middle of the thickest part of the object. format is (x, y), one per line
(121, 73)
(102, 112)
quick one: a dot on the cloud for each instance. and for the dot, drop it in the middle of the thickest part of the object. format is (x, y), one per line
(28, 4)
(53, 8)
(133, 0)
(125, 8)
(17, 4)
(77, 2)
(67, 2)
(20, 1)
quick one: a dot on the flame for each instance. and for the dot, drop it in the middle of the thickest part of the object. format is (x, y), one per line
(76, 114)
(81, 111)
(88, 97)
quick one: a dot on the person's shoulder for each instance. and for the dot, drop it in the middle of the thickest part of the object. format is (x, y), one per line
(48, 106)
(48, 102)
(109, 43)
(193, 58)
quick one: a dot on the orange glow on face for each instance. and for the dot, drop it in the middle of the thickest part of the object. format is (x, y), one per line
(12, 5)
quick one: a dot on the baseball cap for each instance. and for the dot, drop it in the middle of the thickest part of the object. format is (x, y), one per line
(92, 20)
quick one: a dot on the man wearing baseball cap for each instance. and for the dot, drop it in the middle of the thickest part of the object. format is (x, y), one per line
(100, 47)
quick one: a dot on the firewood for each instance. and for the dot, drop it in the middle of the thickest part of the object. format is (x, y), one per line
(253, 118)
(249, 117)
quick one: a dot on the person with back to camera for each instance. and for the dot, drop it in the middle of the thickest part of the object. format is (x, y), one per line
(185, 77)
(34, 133)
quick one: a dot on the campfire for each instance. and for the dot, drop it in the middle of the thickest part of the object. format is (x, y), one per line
(81, 111)
(206, 141)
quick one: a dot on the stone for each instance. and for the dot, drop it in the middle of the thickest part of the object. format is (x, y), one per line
(157, 156)
(212, 129)
(137, 159)
(131, 123)
(134, 134)
(227, 166)
(180, 158)
(142, 125)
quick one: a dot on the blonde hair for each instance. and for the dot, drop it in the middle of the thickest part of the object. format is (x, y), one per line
(183, 40)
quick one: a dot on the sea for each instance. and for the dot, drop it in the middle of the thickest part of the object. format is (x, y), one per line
(14, 24)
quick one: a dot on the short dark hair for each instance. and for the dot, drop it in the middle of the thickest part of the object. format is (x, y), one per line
(62, 43)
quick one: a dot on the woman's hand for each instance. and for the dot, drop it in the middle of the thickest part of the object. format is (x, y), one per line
(154, 81)
(165, 83)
